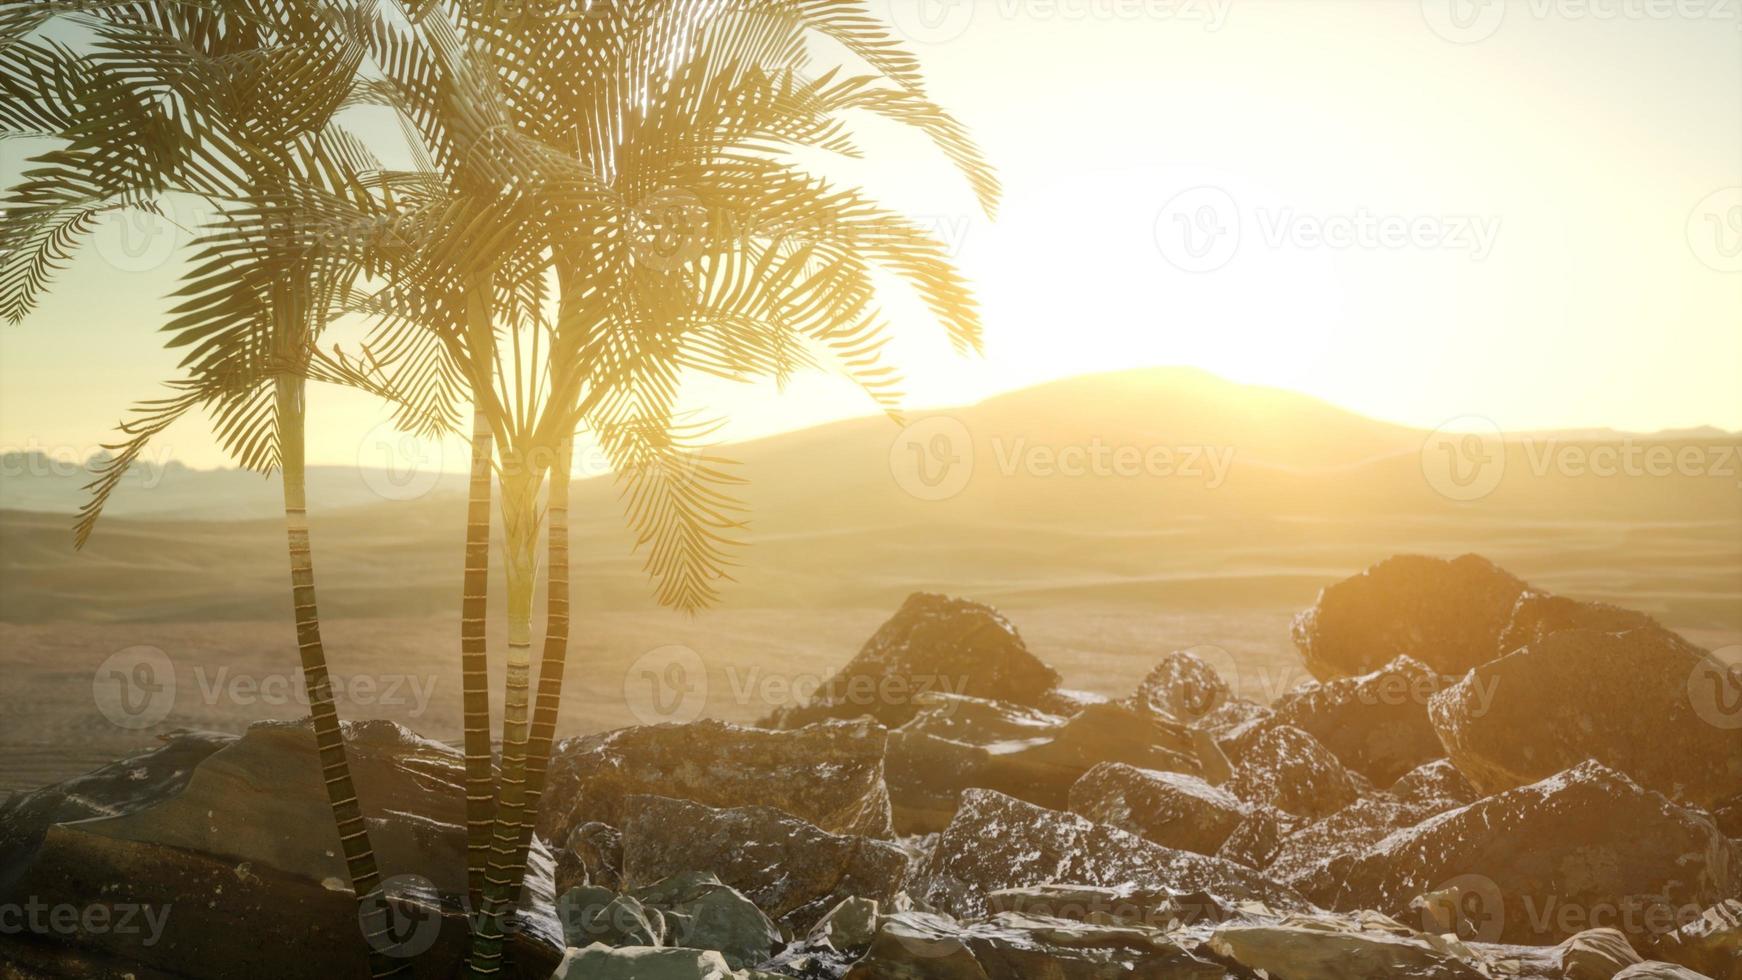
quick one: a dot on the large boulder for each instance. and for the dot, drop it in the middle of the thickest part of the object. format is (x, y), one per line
(1288, 769)
(693, 910)
(1537, 864)
(1318, 947)
(998, 842)
(1375, 724)
(792, 870)
(1447, 614)
(933, 644)
(601, 962)
(247, 833)
(1711, 944)
(1172, 809)
(1622, 699)
(955, 743)
(1537, 615)
(1013, 946)
(830, 774)
(1183, 686)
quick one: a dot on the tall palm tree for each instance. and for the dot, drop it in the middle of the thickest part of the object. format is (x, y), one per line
(234, 105)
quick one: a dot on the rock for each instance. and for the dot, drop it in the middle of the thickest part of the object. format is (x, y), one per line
(1711, 944)
(1619, 698)
(591, 914)
(1317, 947)
(1124, 905)
(1595, 954)
(1538, 864)
(1653, 970)
(793, 870)
(1375, 724)
(600, 962)
(998, 842)
(1183, 687)
(1536, 615)
(1064, 701)
(849, 927)
(933, 644)
(1311, 858)
(248, 828)
(593, 856)
(1169, 808)
(1288, 769)
(1438, 784)
(1010, 946)
(1258, 837)
(956, 742)
(1447, 614)
(702, 913)
(829, 774)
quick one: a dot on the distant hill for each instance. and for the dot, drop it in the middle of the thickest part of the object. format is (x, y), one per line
(1161, 486)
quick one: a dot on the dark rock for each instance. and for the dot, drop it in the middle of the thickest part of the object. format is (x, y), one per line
(1539, 863)
(593, 856)
(1169, 808)
(1438, 784)
(955, 743)
(1311, 858)
(1622, 699)
(1536, 615)
(1256, 840)
(702, 913)
(243, 856)
(1064, 701)
(1184, 687)
(933, 644)
(1711, 944)
(792, 870)
(1447, 614)
(1288, 769)
(1011, 946)
(828, 774)
(998, 842)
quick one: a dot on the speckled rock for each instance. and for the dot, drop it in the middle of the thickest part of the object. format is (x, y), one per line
(248, 829)
(933, 644)
(1012, 946)
(1654, 970)
(1620, 698)
(1258, 837)
(997, 842)
(1288, 769)
(1438, 784)
(1447, 614)
(830, 774)
(791, 869)
(1711, 944)
(1539, 863)
(1318, 947)
(1169, 808)
(1537, 615)
(1184, 687)
(1312, 857)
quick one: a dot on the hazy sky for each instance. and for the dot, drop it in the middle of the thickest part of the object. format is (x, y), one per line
(1419, 209)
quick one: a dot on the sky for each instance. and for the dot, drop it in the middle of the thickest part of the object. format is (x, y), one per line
(1527, 214)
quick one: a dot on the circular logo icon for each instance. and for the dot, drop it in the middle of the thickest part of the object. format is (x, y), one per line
(666, 684)
(136, 239)
(1465, 458)
(933, 458)
(1464, 21)
(1198, 230)
(135, 688)
(667, 229)
(398, 465)
(1194, 702)
(1468, 906)
(401, 918)
(931, 21)
(1715, 688)
(1715, 230)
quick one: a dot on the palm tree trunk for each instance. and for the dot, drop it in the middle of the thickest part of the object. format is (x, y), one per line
(475, 663)
(551, 666)
(520, 484)
(324, 715)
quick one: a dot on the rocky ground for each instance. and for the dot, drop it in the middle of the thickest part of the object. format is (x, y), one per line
(1482, 781)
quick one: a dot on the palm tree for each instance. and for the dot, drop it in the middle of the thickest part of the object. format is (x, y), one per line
(234, 106)
(595, 122)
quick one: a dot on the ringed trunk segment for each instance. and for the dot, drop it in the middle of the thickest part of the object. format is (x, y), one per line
(323, 712)
(475, 662)
(521, 480)
(555, 658)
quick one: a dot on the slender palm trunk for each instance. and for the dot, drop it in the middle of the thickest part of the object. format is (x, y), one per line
(329, 739)
(551, 666)
(521, 478)
(475, 664)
